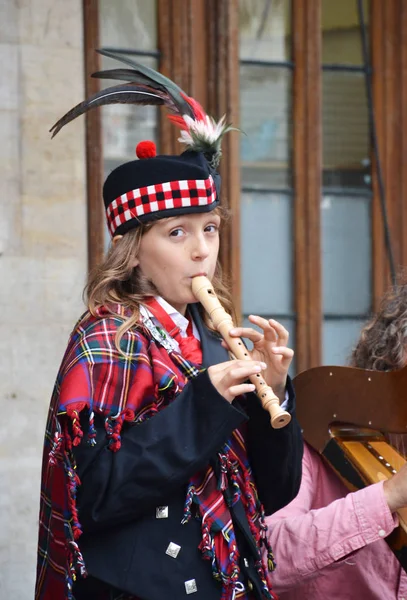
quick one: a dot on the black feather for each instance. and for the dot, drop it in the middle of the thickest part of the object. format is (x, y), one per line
(154, 76)
(126, 75)
(156, 80)
(145, 86)
(121, 94)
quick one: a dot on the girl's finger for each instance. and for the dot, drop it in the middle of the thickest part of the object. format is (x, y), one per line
(238, 374)
(270, 332)
(283, 350)
(247, 332)
(243, 388)
(285, 356)
(281, 331)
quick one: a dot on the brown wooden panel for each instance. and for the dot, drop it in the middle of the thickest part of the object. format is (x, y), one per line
(183, 55)
(165, 47)
(94, 170)
(403, 131)
(389, 60)
(379, 106)
(307, 178)
(392, 121)
(223, 98)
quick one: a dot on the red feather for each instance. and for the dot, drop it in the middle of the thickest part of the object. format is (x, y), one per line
(178, 121)
(200, 114)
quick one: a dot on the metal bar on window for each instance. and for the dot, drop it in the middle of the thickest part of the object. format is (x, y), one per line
(284, 64)
(342, 317)
(347, 68)
(358, 194)
(266, 190)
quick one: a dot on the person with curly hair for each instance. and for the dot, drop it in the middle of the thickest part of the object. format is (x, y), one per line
(383, 341)
(331, 542)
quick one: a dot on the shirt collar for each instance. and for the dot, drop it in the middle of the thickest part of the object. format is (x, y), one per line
(180, 321)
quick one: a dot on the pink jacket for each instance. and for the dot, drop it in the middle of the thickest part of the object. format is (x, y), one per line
(329, 543)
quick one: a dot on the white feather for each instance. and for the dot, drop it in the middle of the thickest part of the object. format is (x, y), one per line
(208, 130)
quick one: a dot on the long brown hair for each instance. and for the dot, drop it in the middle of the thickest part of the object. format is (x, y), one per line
(116, 281)
(383, 342)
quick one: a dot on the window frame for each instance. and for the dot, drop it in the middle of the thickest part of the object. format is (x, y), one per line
(202, 55)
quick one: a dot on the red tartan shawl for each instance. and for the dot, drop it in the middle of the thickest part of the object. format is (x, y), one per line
(94, 375)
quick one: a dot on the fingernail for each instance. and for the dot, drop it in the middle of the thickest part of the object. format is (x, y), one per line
(232, 331)
(263, 365)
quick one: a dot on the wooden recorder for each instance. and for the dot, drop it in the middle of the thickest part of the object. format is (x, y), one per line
(222, 321)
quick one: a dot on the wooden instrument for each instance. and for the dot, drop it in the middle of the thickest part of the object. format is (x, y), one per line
(222, 321)
(357, 420)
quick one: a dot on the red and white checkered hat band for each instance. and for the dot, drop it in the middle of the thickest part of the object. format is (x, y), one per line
(160, 197)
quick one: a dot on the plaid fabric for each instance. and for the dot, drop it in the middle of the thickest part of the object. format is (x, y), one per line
(159, 197)
(96, 376)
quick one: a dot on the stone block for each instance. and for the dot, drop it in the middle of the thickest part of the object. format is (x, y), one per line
(64, 283)
(22, 292)
(18, 551)
(9, 81)
(51, 23)
(9, 30)
(54, 226)
(10, 217)
(51, 79)
(9, 147)
(52, 167)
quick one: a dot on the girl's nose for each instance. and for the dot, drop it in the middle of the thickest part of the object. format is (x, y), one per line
(200, 248)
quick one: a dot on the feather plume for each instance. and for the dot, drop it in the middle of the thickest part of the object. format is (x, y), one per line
(124, 75)
(144, 86)
(120, 94)
(154, 76)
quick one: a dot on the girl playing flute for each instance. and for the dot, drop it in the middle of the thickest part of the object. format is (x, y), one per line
(158, 456)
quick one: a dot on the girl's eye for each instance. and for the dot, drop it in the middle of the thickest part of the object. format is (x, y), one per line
(176, 232)
(212, 228)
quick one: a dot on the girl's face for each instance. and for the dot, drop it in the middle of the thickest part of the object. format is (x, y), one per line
(177, 249)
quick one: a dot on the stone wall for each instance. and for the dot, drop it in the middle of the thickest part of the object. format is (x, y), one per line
(42, 252)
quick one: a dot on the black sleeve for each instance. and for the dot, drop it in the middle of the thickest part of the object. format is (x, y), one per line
(156, 457)
(275, 454)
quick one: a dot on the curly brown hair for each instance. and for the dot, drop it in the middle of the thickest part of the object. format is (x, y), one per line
(383, 341)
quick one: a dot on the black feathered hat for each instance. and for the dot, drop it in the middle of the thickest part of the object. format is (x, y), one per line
(155, 187)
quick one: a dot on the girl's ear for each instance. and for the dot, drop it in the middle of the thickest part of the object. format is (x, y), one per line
(116, 239)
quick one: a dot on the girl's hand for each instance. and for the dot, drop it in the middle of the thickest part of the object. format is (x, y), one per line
(269, 347)
(230, 378)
